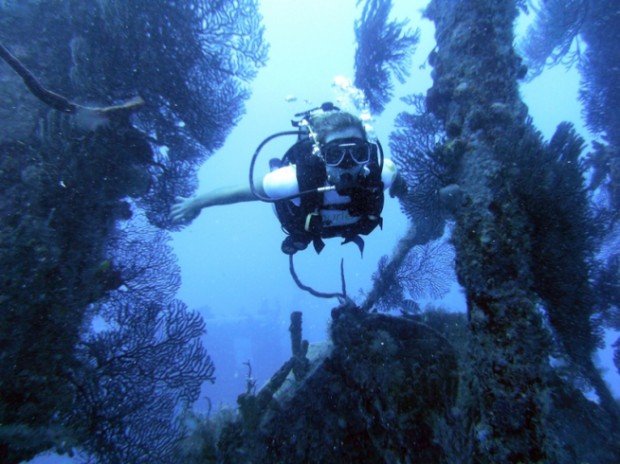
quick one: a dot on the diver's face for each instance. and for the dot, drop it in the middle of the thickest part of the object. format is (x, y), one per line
(346, 172)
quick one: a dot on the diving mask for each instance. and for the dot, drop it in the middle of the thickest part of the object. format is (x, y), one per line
(347, 152)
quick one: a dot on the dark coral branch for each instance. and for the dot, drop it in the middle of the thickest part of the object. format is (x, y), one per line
(60, 103)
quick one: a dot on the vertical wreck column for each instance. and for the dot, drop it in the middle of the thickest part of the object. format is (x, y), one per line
(475, 93)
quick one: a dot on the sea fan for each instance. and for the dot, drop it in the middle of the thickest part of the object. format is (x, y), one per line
(384, 49)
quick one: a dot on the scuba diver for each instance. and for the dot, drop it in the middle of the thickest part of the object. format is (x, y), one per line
(330, 183)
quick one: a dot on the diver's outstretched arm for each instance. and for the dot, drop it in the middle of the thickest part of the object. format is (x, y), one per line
(186, 209)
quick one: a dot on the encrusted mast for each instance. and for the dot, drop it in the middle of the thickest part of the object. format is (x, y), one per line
(475, 94)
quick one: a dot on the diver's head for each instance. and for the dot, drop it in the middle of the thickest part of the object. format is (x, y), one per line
(341, 140)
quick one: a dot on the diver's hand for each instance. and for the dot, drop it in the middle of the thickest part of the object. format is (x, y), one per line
(184, 210)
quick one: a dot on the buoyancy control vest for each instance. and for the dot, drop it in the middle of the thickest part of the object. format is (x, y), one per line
(304, 223)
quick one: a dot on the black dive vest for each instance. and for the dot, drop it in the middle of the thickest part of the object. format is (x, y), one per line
(304, 222)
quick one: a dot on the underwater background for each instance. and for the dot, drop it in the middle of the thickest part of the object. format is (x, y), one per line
(105, 355)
